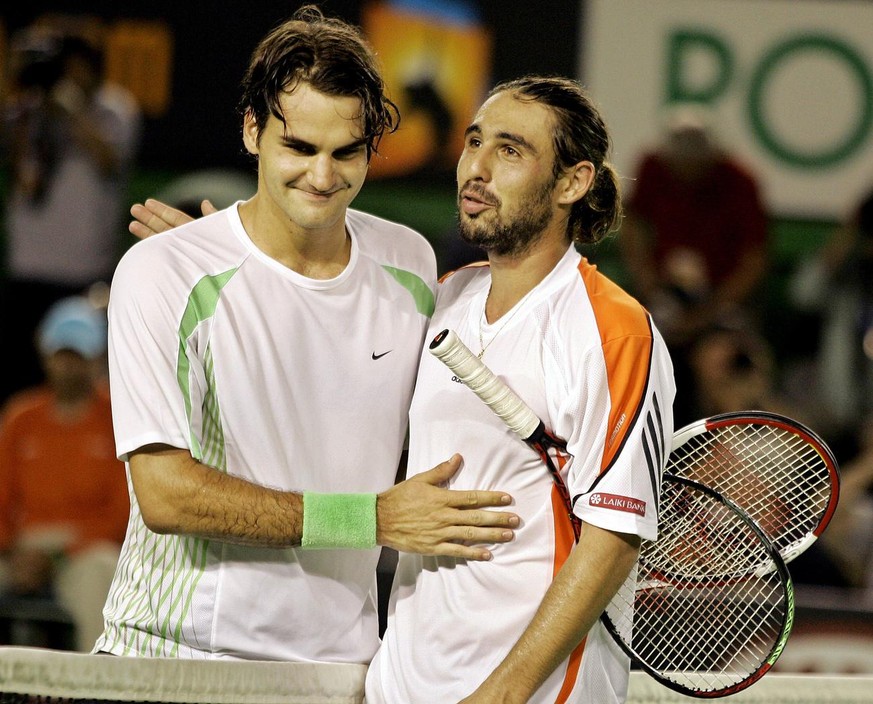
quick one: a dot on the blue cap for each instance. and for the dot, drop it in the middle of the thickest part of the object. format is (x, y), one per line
(73, 324)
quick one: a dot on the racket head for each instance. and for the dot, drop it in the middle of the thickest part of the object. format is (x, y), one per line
(709, 607)
(774, 468)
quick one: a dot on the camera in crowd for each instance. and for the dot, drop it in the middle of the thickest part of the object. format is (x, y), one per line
(40, 56)
(37, 60)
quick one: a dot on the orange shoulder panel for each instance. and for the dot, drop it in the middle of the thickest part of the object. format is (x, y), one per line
(474, 265)
(626, 340)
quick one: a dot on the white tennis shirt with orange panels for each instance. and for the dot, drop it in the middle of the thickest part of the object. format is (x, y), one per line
(586, 357)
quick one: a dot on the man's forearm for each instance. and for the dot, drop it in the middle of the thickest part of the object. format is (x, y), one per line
(179, 495)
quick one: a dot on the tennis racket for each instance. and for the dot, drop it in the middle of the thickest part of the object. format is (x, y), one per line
(774, 468)
(709, 606)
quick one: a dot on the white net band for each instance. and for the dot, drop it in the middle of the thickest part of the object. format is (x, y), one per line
(37, 675)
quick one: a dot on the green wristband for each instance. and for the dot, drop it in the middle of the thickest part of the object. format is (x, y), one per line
(339, 520)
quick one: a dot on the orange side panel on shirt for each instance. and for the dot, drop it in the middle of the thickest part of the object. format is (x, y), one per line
(619, 318)
(572, 672)
(564, 541)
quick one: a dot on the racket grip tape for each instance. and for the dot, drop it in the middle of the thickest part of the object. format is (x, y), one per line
(448, 348)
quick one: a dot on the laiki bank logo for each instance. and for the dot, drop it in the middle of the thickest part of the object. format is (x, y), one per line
(616, 502)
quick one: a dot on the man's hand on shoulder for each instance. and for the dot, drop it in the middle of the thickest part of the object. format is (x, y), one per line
(153, 216)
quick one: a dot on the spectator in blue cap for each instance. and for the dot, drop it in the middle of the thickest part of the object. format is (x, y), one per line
(73, 324)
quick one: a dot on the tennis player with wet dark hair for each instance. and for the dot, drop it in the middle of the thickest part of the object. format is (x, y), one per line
(262, 361)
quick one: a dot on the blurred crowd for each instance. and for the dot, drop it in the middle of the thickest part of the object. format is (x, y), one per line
(70, 138)
(69, 141)
(694, 245)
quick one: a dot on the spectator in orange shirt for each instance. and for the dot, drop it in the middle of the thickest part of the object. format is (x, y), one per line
(63, 495)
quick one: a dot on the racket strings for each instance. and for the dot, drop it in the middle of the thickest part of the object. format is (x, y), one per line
(744, 650)
(775, 474)
(785, 462)
(707, 604)
(704, 638)
(701, 540)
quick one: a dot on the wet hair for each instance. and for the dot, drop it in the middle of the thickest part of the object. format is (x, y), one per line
(580, 135)
(329, 55)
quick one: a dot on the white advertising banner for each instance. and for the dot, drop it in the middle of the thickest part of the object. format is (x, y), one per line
(788, 83)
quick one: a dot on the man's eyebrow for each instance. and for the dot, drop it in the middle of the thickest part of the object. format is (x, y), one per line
(517, 139)
(302, 144)
(474, 128)
(512, 137)
(291, 141)
(352, 146)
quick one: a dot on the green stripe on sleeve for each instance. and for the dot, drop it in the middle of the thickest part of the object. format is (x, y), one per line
(201, 306)
(421, 293)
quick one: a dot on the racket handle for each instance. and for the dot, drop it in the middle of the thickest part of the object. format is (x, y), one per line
(448, 348)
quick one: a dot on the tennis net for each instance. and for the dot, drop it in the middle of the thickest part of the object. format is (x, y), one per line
(40, 676)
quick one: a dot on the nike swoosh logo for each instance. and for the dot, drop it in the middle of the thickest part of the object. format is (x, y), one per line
(379, 356)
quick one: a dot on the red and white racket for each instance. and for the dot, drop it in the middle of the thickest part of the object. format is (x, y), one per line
(774, 468)
(710, 605)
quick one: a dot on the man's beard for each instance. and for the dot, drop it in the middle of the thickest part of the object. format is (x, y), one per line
(514, 237)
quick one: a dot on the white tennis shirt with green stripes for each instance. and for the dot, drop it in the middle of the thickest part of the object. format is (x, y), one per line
(290, 382)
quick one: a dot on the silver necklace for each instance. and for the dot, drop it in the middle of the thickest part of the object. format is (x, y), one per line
(515, 309)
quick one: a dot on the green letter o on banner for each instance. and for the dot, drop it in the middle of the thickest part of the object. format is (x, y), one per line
(757, 91)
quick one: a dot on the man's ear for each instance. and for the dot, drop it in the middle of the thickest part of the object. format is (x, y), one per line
(576, 182)
(250, 133)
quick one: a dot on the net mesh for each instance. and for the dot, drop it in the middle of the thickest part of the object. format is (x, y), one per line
(35, 675)
(38, 676)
